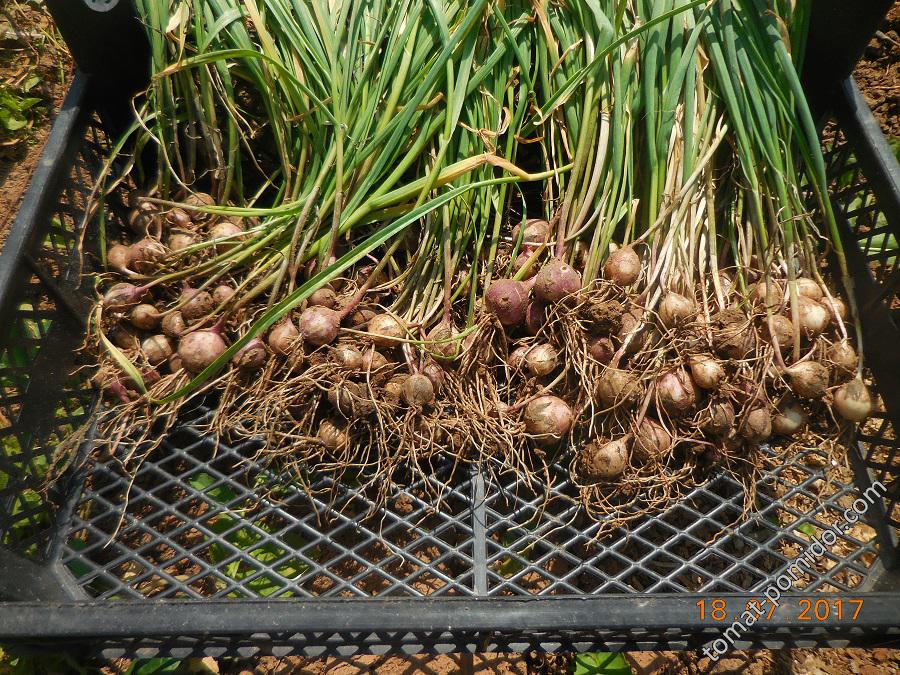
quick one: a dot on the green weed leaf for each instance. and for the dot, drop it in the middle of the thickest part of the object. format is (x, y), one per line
(153, 667)
(601, 663)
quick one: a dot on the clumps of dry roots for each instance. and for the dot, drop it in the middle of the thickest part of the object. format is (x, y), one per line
(659, 394)
(339, 421)
(640, 404)
(320, 416)
(639, 390)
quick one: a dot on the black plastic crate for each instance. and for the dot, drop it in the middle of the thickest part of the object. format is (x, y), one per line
(212, 554)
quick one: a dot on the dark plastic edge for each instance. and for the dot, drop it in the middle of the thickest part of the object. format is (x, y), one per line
(839, 31)
(101, 620)
(27, 581)
(112, 47)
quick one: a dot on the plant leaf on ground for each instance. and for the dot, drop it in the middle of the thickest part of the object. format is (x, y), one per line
(601, 663)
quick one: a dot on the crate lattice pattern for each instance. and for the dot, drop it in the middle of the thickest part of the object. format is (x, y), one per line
(878, 240)
(37, 415)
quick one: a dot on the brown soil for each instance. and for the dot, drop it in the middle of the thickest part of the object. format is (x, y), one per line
(477, 664)
(28, 47)
(783, 662)
(878, 661)
(878, 75)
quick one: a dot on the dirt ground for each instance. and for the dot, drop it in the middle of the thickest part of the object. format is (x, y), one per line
(878, 74)
(28, 47)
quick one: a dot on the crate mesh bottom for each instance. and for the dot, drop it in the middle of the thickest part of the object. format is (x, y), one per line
(195, 527)
(202, 520)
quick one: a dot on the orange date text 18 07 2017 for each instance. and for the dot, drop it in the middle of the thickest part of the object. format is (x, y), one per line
(806, 609)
